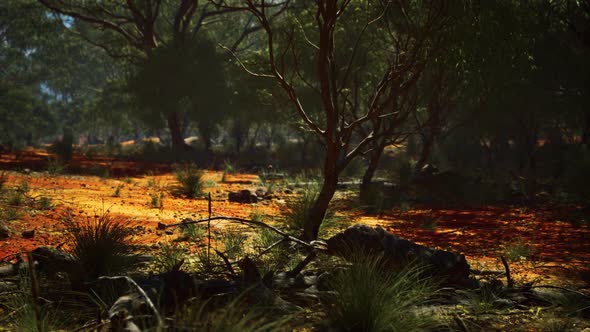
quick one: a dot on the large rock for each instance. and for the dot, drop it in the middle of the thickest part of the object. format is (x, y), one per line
(243, 196)
(451, 267)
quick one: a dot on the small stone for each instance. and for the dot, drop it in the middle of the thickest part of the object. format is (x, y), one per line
(29, 234)
(260, 192)
(4, 231)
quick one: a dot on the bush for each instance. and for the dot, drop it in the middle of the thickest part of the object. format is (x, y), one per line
(370, 298)
(44, 203)
(168, 258)
(190, 179)
(102, 247)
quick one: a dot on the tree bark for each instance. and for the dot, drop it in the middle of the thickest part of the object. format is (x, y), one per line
(370, 171)
(427, 143)
(175, 128)
(317, 213)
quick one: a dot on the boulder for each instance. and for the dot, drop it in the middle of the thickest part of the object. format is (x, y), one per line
(451, 268)
(243, 196)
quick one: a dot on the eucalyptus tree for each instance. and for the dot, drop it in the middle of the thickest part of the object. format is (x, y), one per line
(163, 38)
(315, 38)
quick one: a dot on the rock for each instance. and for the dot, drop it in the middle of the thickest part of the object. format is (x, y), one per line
(29, 234)
(451, 267)
(260, 192)
(4, 231)
(243, 196)
(324, 281)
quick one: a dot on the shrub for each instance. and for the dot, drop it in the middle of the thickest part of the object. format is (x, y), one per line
(117, 192)
(518, 250)
(233, 242)
(193, 231)
(370, 298)
(101, 245)
(157, 200)
(190, 179)
(168, 257)
(228, 167)
(44, 203)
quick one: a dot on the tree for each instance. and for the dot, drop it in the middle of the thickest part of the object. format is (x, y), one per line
(320, 28)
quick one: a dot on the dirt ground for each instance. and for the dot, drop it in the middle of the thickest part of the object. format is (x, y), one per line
(556, 245)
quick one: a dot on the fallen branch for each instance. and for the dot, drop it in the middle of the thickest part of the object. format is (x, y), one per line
(148, 301)
(243, 222)
(509, 280)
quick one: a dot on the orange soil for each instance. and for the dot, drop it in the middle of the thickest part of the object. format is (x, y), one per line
(560, 251)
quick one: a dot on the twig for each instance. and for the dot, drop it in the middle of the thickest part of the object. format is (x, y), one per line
(243, 222)
(269, 248)
(209, 226)
(226, 261)
(509, 280)
(34, 291)
(148, 301)
(302, 264)
(562, 288)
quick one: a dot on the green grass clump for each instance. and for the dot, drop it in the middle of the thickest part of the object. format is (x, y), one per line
(44, 203)
(518, 250)
(233, 243)
(194, 232)
(373, 298)
(168, 258)
(237, 315)
(102, 246)
(117, 192)
(190, 180)
(157, 200)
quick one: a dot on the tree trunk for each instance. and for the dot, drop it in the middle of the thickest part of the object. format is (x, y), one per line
(370, 171)
(176, 132)
(317, 213)
(427, 144)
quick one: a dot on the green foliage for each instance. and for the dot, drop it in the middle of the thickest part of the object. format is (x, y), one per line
(157, 200)
(194, 232)
(571, 303)
(102, 246)
(237, 315)
(168, 257)
(117, 191)
(518, 250)
(9, 213)
(233, 243)
(370, 297)
(44, 203)
(25, 313)
(228, 167)
(54, 166)
(190, 179)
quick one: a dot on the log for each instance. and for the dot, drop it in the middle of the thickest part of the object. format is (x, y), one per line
(451, 268)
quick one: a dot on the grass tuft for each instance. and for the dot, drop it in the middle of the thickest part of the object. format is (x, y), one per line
(371, 298)
(190, 180)
(102, 246)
